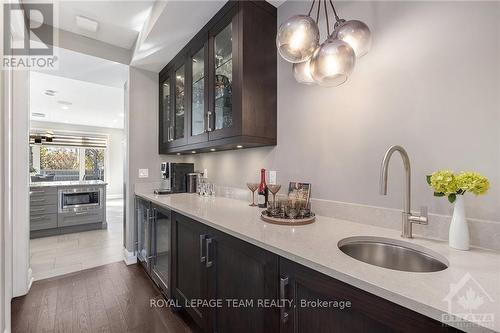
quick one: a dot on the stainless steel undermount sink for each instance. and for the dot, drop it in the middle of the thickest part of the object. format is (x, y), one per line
(393, 254)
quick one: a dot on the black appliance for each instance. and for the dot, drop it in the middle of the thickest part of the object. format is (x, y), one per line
(175, 177)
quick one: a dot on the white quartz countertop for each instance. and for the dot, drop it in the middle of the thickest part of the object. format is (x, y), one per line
(69, 183)
(315, 246)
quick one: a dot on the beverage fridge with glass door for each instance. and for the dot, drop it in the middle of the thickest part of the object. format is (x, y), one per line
(153, 229)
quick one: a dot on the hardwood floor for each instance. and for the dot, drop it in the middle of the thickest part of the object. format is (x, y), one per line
(110, 298)
(62, 254)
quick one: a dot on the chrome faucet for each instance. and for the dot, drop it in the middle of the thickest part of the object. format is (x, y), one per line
(408, 217)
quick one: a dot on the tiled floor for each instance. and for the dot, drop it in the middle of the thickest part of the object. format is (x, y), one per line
(57, 255)
(114, 298)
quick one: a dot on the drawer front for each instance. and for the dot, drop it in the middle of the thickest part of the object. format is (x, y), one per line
(40, 222)
(42, 191)
(43, 199)
(77, 218)
(42, 210)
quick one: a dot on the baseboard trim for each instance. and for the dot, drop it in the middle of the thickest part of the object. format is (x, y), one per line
(128, 257)
(30, 279)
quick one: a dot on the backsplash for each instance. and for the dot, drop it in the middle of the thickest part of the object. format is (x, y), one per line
(485, 234)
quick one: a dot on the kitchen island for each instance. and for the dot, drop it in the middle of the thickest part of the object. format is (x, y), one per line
(65, 207)
(315, 247)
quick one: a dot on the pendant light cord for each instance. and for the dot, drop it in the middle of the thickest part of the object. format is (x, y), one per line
(337, 18)
(310, 9)
(327, 20)
(318, 11)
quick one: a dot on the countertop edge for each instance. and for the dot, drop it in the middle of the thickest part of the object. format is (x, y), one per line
(57, 184)
(396, 298)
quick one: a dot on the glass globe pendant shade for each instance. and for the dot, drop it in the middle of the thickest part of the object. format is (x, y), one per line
(297, 38)
(332, 63)
(357, 34)
(302, 72)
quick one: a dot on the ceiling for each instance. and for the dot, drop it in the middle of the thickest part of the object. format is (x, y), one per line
(75, 102)
(119, 21)
(176, 23)
(78, 66)
(153, 31)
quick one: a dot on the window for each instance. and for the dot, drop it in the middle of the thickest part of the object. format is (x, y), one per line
(94, 164)
(59, 163)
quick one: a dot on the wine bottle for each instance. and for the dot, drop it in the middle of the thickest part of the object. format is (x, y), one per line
(263, 190)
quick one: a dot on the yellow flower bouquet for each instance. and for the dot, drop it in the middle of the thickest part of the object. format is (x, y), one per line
(447, 183)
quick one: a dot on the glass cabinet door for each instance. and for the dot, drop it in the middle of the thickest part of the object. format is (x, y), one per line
(198, 125)
(161, 246)
(167, 114)
(223, 103)
(180, 103)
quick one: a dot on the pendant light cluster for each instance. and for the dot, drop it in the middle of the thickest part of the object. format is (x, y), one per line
(328, 64)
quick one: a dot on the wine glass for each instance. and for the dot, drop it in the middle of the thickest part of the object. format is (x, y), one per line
(253, 187)
(274, 188)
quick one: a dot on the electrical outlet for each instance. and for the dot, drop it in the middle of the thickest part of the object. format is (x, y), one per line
(272, 177)
(143, 173)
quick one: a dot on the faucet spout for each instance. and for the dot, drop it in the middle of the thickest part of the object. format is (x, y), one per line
(408, 218)
(384, 174)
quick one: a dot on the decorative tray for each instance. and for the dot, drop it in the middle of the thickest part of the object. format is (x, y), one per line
(265, 216)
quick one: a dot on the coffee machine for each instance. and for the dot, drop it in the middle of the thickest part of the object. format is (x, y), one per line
(174, 178)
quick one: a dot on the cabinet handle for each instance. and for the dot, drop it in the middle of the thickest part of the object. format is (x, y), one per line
(283, 313)
(154, 252)
(81, 213)
(202, 257)
(37, 192)
(38, 200)
(209, 126)
(209, 262)
(171, 134)
(38, 218)
(37, 209)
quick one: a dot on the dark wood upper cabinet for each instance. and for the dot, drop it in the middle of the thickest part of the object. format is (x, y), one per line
(226, 94)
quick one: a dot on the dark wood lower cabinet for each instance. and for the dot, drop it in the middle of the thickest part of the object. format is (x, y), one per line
(236, 280)
(320, 305)
(226, 276)
(243, 277)
(189, 275)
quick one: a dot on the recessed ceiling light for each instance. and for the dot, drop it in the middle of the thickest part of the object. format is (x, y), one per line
(65, 107)
(239, 146)
(86, 24)
(38, 114)
(212, 149)
(50, 92)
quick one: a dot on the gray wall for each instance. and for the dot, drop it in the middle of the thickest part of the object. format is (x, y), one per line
(116, 151)
(3, 157)
(430, 83)
(142, 132)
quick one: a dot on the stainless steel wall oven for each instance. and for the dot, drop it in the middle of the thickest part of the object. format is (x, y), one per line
(78, 199)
